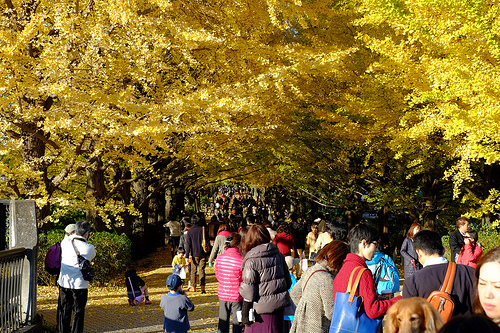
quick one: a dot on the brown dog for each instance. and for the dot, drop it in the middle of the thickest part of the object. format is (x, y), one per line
(412, 315)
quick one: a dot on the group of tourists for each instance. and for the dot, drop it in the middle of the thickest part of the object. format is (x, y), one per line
(260, 289)
(275, 281)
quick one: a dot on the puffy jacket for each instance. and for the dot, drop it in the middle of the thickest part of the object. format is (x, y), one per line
(266, 279)
(228, 273)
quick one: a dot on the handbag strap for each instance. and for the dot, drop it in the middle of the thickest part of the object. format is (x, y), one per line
(319, 270)
(131, 286)
(76, 250)
(352, 287)
(448, 279)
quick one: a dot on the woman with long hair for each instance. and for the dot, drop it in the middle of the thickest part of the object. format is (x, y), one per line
(265, 284)
(471, 252)
(408, 253)
(313, 293)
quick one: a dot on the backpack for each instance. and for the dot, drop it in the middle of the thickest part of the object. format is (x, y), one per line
(441, 299)
(385, 274)
(53, 259)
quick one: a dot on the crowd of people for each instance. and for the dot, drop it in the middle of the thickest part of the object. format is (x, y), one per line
(286, 278)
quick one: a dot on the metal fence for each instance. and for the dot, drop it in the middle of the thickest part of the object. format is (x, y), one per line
(11, 274)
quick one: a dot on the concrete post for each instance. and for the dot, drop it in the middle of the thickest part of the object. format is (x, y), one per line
(23, 233)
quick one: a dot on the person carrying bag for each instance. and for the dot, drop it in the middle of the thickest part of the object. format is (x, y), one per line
(348, 310)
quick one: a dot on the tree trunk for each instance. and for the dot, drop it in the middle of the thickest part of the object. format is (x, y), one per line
(96, 189)
(33, 152)
(139, 248)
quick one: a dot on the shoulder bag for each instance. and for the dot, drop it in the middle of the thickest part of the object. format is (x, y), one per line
(84, 264)
(441, 299)
(204, 244)
(137, 299)
(349, 314)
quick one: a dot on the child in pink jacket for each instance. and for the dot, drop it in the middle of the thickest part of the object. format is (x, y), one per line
(228, 273)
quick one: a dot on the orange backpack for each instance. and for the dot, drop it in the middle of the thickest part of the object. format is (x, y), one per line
(441, 299)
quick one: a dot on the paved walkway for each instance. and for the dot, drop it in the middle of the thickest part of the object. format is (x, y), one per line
(108, 310)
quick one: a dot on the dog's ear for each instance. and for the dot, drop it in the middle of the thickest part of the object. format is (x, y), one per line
(391, 324)
(433, 319)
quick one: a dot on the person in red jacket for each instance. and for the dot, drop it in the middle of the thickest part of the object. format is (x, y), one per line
(363, 240)
(284, 240)
(471, 252)
(228, 273)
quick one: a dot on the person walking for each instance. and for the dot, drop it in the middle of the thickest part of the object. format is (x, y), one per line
(430, 252)
(313, 294)
(228, 274)
(195, 252)
(175, 231)
(219, 244)
(410, 257)
(265, 284)
(73, 289)
(284, 240)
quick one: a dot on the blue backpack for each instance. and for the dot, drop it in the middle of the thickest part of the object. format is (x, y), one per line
(53, 259)
(385, 273)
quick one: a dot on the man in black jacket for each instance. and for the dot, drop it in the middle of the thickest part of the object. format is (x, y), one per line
(457, 237)
(197, 257)
(430, 252)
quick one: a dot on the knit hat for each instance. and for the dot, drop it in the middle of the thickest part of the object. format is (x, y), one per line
(173, 281)
(291, 261)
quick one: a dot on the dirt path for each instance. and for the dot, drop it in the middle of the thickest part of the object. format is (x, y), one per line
(108, 310)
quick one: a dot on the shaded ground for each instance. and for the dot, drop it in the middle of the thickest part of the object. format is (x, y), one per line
(108, 310)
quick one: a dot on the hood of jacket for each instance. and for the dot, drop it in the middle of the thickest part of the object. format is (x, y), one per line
(262, 250)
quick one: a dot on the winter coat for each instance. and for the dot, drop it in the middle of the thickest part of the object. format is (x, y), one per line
(219, 245)
(470, 255)
(410, 257)
(228, 273)
(194, 237)
(285, 243)
(266, 279)
(431, 277)
(313, 297)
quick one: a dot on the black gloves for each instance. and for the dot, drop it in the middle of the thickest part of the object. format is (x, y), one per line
(245, 310)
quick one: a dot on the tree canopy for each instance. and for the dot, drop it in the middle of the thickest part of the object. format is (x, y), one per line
(381, 103)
